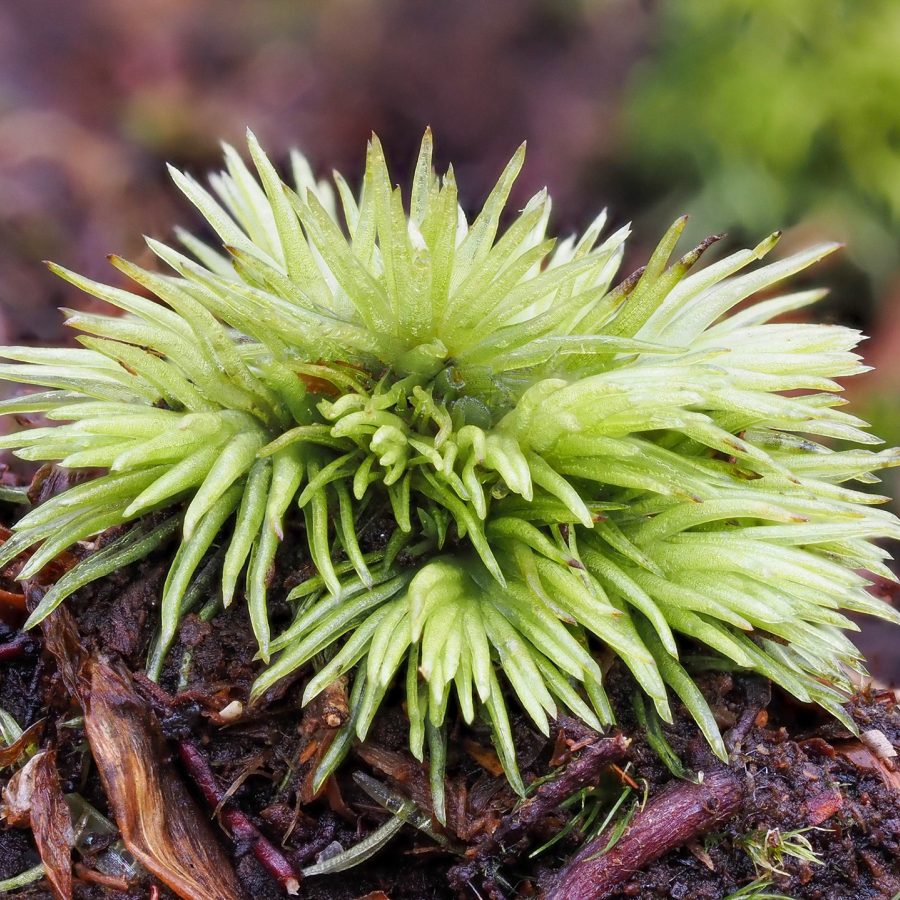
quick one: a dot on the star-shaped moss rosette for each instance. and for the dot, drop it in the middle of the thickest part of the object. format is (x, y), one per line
(573, 470)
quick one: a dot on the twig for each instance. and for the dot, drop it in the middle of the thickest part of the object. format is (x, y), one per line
(92, 876)
(236, 822)
(581, 772)
(21, 645)
(682, 812)
(12, 600)
(511, 835)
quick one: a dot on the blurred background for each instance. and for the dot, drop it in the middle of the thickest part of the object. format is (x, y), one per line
(750, 115)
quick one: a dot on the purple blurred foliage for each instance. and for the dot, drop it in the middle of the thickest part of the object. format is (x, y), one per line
(95, 96)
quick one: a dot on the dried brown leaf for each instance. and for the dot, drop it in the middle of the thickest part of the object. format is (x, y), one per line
(12, 753)
(34, 797)
(61, 639)
(160, 822)
(16, 808)
(823, 806)
(866, 761)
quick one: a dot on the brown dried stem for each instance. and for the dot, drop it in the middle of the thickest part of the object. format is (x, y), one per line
(235, 822)
(511, 836)
(581, 772)
(18, 647)
(681, 813)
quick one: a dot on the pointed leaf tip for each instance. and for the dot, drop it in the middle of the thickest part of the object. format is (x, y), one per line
(765, 245)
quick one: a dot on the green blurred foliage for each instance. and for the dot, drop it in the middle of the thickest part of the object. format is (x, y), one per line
(880, 407)
(754, 115)
(774, 111)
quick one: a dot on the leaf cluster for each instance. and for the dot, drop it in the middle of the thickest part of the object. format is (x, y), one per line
(573, 470)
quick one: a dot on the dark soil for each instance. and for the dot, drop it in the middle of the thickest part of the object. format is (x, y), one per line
(791, 768)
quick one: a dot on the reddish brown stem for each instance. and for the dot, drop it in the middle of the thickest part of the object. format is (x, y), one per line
(92, 876)
(237, 824)
(581, 772)
(21, 645)
(13, 600)
(511, 836)
(682, 812)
